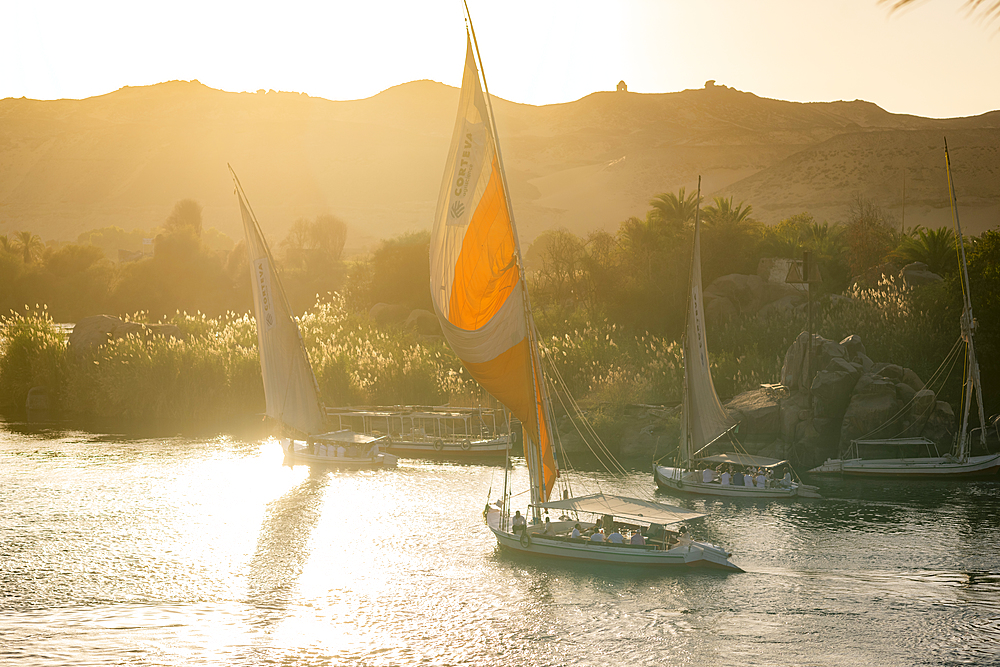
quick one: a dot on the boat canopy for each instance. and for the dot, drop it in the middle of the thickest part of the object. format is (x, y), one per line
(895, 441)
(345, 436)
(633, 509)
(743, 460)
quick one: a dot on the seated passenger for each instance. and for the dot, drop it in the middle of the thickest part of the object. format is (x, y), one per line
(518, 523)
(576, 532)
(747, 480)
(724, 479)
(707, 475)
(737, 479)
(786, 481)
(637, 538)
(616, 537)
(549, 528)
(761, 480)
(683, 539)
(598, 536)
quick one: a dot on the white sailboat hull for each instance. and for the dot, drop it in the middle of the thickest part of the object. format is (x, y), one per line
(300, 453)
(935, 466)
(680, 482)
(697, 554)
(497, 447)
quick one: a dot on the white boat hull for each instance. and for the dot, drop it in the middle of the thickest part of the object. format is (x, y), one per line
(936, 466)
(678, 481)
(697, 554)
(497, 447)
(303, 455)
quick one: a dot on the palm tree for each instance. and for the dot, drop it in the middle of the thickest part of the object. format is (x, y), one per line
(988, 10)
(27, 244)
(721, 213)
(5, 244)
(674, 210)
(933, 247)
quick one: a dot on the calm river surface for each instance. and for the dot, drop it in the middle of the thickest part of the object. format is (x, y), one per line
(115, 550)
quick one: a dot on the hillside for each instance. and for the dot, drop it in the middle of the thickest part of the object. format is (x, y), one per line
(125, 158)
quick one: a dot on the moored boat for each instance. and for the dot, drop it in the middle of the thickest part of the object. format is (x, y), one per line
(479, 293)
(291, 394)
(909, 463)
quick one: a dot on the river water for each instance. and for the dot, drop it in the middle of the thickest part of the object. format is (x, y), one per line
(116, 550)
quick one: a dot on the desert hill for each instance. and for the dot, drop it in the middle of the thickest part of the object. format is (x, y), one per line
(125, 158)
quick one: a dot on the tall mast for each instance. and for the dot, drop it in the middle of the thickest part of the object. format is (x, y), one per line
(685, 444)
(968, 329)
(532, 454)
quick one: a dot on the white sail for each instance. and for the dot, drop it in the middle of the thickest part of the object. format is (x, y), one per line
(704, 417)
(290, 387)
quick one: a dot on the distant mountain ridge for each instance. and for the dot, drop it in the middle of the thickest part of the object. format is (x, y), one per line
(125, 158)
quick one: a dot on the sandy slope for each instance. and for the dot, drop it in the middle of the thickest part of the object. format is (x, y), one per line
(125, 158)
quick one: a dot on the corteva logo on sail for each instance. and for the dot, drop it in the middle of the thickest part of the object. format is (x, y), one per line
(468, 162)
(264, 290)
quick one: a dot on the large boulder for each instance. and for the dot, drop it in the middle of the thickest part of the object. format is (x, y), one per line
(872, 405)
(758, 413)
(916, 274)
(387, 314)
(423, 322)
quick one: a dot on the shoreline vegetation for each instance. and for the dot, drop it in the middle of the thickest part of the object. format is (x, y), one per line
(609, 308)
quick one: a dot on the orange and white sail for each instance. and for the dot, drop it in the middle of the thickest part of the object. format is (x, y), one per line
(477, 285)
(290, 390)
(704, 417)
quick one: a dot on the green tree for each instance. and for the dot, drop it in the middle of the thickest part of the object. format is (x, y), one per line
(28, 244)
(729, 239)
(186, 215)
(870, 235)
(934, 247)
(674, 210)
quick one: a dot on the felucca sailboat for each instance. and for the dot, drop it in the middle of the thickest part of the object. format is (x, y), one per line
(705, 423)
(959, 462)
(291, 393)
(481, 300)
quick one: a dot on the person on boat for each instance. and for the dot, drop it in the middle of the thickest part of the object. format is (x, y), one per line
(576, 532)
(724, 477)
(761, 480)
(747, 479)
(518, 523)
(615, 537)
(549, 528)
(683, 539)
(737, 478)
(637, 537)
(786, 481)
(707, 475)
(598, 536)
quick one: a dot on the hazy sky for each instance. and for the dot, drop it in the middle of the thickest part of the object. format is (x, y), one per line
(929, 60)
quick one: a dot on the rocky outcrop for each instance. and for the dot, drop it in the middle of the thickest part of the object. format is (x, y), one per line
(92, 332)
(737, 294)
(916, 274)
(424, 322)
(386, 314)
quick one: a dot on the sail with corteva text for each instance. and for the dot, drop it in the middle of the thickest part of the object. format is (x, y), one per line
(477, 284)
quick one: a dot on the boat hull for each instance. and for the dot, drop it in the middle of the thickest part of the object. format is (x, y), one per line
(450, 450)
(303, 456)
(937, 466)
(698, 554)
(672, 481)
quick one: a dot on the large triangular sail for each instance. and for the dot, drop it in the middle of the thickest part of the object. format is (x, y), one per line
(704, 417)
(290, 389)
(477, 283)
